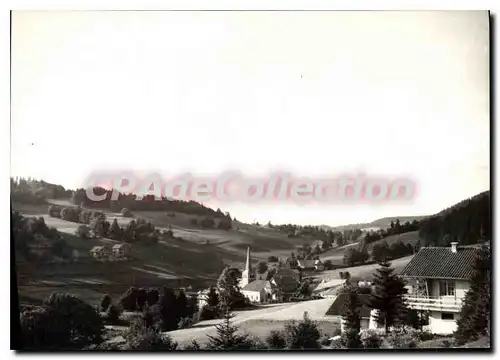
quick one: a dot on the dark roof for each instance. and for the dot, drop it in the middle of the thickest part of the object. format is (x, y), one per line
(287, 283)
(338, 306)
(441, 262)
(256, 285)
(284, 272)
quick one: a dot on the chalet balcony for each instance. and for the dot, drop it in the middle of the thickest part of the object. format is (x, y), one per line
(434, 303)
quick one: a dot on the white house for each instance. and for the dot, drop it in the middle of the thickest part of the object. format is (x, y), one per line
(367, 315)
(316, 265)
(438, 279)
(121, 250)
(99, 252)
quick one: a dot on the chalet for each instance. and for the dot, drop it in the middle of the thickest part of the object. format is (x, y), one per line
(202, 297)
(121, 250)
(311, 265)
(438, 279)
(99, 252)
(367, 315)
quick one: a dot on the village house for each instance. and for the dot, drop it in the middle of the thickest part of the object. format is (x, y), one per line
(438, 279)
(99, 252)
(202, 297)
(367, 315)
(121, 250)
(310, 265)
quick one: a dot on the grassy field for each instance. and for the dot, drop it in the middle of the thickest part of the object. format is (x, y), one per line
(194, 257)
(363, 271)
(407, 238)
(260, 322)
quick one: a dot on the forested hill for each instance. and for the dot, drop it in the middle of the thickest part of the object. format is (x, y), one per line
(36, 192)
(468, 222)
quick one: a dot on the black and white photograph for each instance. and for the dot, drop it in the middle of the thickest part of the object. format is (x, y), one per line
(273, 181)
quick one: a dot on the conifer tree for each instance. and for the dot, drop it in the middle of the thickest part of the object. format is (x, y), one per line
(351, 318)
(476, 310)
(387, 296)
(227, 338)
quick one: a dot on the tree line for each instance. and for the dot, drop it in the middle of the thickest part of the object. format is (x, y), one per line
(95, 224)
(147, 203)
(28, 231)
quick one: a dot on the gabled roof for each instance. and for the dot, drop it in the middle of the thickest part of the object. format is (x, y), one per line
(257, 285)
(118, 246)
(442, 263)
(339, 305)
(98, 248)
(307, 263)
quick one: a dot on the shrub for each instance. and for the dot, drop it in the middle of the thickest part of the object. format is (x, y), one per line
(208, 313)
(126, 212)
(401, 338)
(446, 343)
(325, 340)
(426, 335)
(113, 314)
(350, 339)
(63, 322)
(54, 211)
(194, 346)
(371, 339)
(147, 338)
(83, 231)
(276, 340)
(185, 323)
(336, 344)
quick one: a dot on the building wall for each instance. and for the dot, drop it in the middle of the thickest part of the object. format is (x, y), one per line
(461, 288)
(439, 326)
(254, 296)
(365, 324)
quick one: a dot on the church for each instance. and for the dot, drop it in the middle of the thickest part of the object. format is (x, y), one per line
(261, 290)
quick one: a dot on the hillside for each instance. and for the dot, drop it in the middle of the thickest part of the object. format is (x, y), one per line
(382, 223)
(467, 222)
(195, 256)
(406, 238)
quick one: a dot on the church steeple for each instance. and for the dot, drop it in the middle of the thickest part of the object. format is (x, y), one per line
(247, 276)
(248, 266)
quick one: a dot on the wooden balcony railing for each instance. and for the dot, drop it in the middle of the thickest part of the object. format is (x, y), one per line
(435, 303)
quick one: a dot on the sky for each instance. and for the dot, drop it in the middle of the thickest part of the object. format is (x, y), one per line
(313, 93)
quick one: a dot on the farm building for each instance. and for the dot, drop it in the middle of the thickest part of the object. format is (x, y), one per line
(311, 265)
(121, 250)
(99, 252)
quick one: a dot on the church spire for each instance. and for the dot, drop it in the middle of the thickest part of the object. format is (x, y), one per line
(248, 266)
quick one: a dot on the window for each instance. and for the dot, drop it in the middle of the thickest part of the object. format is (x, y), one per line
(446, 288)
(447, 316)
